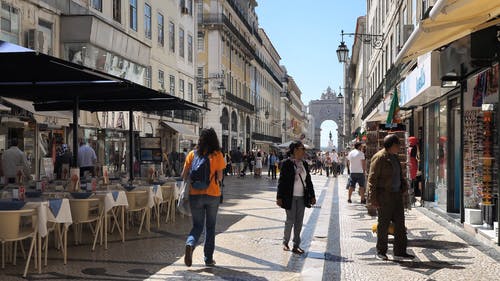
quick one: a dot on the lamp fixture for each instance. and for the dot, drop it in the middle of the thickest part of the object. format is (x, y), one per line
(375, 40)
(450, 80)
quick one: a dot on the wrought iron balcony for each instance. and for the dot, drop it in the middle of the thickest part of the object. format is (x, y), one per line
(239, 102)
(187, 115)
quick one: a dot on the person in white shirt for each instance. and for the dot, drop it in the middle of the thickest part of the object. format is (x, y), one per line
(13, 161)
(357, 168)
(86, 159)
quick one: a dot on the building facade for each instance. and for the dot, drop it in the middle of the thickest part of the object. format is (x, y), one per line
(441, 59)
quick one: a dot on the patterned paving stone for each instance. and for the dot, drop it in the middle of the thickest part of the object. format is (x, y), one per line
(337, 237)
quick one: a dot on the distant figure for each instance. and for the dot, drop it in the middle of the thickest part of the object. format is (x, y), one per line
(236, 161)
(63, 157)
(13, 160)
(273, 163)
(258, 164)
(357, 169)
(86, 159)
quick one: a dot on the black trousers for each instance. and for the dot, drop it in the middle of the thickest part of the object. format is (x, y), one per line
(391, 209)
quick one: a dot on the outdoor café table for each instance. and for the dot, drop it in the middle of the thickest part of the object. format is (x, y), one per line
(53, 210)
(114, 199)
(155, 197)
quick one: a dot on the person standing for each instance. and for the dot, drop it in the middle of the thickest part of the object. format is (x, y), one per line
(258, 164)
(335, 163)
(86, 159)
(204, 203)
(295, 192)
(63, 157)
(387, 186)
(14, 160)
(273, 162)
(357, 168)
(328, 164)
(236, 161)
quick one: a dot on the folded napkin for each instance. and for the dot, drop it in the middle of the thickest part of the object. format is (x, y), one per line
(115, 195)
(55, 206)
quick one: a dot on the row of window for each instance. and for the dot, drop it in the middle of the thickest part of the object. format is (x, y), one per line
(172, 88)
(148, 19)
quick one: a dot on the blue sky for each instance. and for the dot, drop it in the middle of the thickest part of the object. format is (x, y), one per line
(306, 35)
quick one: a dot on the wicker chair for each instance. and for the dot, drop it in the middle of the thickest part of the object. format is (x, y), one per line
(86, 211)
(168, 194)
(12, 230)
(138, 203)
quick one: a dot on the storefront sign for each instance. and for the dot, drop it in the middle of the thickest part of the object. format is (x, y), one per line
(423, 79)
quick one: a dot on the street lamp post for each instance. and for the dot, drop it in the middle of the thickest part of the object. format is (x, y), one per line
(376, 42)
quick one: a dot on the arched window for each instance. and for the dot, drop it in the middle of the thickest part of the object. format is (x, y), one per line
(234, 122)
(225, 119)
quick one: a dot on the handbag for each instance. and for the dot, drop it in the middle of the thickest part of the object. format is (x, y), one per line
(183, 203)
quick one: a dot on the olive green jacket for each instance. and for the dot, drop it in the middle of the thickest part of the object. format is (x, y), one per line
(380, 176)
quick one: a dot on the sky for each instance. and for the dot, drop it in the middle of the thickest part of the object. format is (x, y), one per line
(306, 35)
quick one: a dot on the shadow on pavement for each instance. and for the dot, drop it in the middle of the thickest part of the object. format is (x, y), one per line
(219, 272)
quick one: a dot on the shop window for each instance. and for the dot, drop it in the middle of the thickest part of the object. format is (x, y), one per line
(45, 45)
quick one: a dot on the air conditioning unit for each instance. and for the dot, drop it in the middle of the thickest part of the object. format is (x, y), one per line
(184, 10)
(407, 31)
(34, 40)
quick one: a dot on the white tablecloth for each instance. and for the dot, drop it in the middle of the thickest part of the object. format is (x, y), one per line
(110, 202)
(154, 194)
(45, 214)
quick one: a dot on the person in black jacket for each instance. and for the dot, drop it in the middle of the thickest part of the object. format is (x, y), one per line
(295, 193)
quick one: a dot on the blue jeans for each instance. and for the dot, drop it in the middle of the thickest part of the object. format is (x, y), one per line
(204, 213)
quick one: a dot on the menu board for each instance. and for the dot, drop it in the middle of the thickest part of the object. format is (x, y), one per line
(153, 143)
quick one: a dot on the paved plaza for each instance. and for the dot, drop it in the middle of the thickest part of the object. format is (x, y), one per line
(337, 238)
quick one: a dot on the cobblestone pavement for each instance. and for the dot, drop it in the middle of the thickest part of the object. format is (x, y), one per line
(337, 238)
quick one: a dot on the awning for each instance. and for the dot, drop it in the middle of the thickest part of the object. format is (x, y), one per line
(449, 20)
(28, 106)
(53, 84)
(182, 129)
(4, 108)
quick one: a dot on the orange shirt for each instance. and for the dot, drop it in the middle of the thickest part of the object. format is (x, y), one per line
(217, 163)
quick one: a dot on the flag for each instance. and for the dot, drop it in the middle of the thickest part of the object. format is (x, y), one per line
(393, 115)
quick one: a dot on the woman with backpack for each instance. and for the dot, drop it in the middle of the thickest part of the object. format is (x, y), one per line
(203, 170)
(295, 193)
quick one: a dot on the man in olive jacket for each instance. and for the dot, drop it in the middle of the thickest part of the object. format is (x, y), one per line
(386, 188)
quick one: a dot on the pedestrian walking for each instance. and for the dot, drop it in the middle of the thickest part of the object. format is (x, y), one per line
(328, 164)
(204, 200)
(86, 159)
(273, 165)
(236, 161)
(295, 193)
(14, 163)
(357, 167)
(258, 164)
(387, 186)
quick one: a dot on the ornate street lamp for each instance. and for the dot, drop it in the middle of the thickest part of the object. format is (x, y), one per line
(375, 40)
(340, 97)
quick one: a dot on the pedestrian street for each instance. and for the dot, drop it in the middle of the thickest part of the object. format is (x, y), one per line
(337, 238)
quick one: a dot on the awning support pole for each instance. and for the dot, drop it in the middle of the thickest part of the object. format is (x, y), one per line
(76, 108)
(131, 144)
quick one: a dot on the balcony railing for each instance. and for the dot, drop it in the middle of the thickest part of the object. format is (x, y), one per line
(187, 115)
(232, 3)
(222, 20)
(374, 100)
(243, 104)
(262, 137)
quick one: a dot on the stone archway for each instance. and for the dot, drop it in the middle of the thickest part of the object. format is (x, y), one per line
(329, 107)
